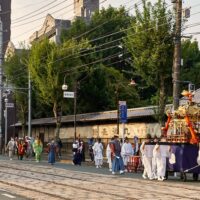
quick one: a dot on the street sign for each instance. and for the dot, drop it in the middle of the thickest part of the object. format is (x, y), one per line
(123, 111)
(10, 105)
(68, 94)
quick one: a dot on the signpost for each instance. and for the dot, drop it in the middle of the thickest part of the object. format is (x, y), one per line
(68, 94)
(123, 115)
(9, 105)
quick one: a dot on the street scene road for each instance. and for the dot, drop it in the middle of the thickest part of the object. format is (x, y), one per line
(5, 195)
(65, 181)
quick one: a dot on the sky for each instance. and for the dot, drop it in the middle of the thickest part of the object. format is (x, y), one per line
(28, 16)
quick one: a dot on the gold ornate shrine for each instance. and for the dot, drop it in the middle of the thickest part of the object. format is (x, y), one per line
(183, 125)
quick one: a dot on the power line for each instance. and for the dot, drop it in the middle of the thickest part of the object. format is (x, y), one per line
(100, 50)
(41, 17)
(35, 11)
(103, 44)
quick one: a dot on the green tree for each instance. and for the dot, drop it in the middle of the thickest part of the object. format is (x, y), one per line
(150, 43)
(78, 27)
(48, 63)
(106, 22)
(103, 88)
(16, 72)
(190, 71)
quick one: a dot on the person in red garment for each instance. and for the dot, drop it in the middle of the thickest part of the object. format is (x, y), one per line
(21, 149)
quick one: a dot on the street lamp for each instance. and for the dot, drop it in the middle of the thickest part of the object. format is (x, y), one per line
(71, 95)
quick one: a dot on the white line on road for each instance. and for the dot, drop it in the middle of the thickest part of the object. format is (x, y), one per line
(8, 195)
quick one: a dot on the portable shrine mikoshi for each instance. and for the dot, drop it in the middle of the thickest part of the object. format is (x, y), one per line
(182, 132)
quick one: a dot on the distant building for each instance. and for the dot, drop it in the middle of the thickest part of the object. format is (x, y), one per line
(5, 15)
(51, 29)
(85, 8)
(11, 50)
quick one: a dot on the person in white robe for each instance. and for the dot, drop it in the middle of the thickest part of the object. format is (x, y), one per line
(126, 152)
(98, 153)
(162, 151)
(147, 154)
(10, 147)
(198, 158)
(154, 159)
(108, 155)
(136, 146)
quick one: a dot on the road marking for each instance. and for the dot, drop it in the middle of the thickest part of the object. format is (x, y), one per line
(8, 195)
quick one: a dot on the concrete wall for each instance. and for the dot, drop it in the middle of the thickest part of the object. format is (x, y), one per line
(103, 131)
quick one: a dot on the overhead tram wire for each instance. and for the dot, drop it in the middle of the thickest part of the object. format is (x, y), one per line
(35, 11)
(40, 12)
(16, 26)
(85, 65)
(106, 58)
(100, 50)
(110, 35)
(2, 13)
(114, 40)
(44, 16)
(37, 26)
(100, 60)
(41, 18)
(89, 31)
(145, 30)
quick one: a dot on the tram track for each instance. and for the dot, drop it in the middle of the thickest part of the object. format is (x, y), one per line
(55, 183)
(89, 180)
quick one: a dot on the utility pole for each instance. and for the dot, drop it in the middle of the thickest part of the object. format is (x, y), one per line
(6, 120)
(29, 104)
(1, 81)
(75, 107)
(177, 54)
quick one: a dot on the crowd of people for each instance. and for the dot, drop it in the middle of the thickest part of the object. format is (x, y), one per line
(154, 157)
(153, 153)
(29, 147)
(117, 153)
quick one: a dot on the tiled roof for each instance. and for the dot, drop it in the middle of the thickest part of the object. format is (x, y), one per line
(98, 116)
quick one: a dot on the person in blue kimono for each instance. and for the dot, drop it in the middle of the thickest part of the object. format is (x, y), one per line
(76, 149)
(52, 152)
(117, 162)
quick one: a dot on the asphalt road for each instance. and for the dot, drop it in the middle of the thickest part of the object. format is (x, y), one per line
(6, 195)
(89, 167)
(52, 182)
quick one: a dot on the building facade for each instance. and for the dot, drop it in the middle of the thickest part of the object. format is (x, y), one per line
(99, 124)
(51, 29)
(5, 16)
(85, 8)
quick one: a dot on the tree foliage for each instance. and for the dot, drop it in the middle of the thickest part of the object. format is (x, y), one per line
(150, 43)
(104, 32)
(48, 63)
(16, 72)
(190, 71)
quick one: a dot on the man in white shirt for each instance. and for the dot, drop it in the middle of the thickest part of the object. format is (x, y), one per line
(163, 151)
(147, 155)
(126, 152)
